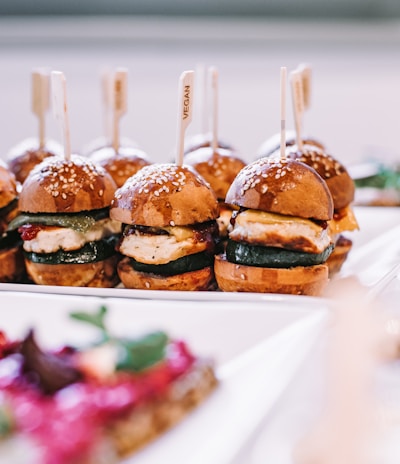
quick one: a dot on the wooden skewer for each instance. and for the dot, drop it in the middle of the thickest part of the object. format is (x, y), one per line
(106, 91)
(283, 111)
(306, 74)
(120, 92)
(40, 100)
(296, 81)
(60, 108)
(185, 110)
(213, 74)
(202, 97)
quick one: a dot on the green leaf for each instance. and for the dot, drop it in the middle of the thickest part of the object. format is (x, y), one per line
(6, 421)
(134, 355)
(386, 177)
(95, 319)
(141, 353)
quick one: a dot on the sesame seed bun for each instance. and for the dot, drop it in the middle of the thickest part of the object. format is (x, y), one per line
(337, 178)
(8, 186)
(272, 144)
(218, 167)
(282, 186)
(58, 185)
(121, 165)
(202, 279)
(161, 195)
(298, 280)
(97, 274)
(102, 141)
(26, 155)
(203, 140)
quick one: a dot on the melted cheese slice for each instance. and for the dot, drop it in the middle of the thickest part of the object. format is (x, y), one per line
(269, 229)
(179, 232)
(346, 222)
(51, 239)
(159, 249)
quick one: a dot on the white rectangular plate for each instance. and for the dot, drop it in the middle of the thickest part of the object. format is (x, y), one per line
(370, 257)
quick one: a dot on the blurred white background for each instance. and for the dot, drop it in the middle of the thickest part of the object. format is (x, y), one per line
(356, 76)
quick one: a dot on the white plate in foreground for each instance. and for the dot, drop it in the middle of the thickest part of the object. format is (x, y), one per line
(257, 349)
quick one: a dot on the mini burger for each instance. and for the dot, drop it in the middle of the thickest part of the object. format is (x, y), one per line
(68, 237)
(342, 189)
(26, 155)
(219, 168)
(170, 233)
(272, 144)
(204, 140)
(12, 267)
(122, 164)
(279, 240)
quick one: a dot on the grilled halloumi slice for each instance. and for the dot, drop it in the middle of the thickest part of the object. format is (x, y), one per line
(276, 230)
(50, 239)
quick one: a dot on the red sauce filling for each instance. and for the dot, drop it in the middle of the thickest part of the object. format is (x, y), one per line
(29, 231)
(68, 423)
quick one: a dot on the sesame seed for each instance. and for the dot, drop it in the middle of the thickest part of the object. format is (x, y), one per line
(172, 223)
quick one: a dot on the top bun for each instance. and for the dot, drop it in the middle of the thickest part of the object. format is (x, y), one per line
(26, 155)
(282, 186)
(203, 140)
(335, 175)
(8, 186)
(162, 195)
(122, 164)
(271, 145)
(58, 185)
(218, 167)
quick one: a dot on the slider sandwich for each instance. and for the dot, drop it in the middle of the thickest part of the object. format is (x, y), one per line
(279, 240)
(68, 237)
(12, 267)
(170, 230)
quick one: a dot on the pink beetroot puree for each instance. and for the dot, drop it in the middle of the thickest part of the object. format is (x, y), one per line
(68, 423)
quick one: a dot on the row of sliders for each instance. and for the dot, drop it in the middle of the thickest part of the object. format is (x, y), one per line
(207, 221)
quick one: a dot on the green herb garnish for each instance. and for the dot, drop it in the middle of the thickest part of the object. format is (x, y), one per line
(96, 319)
(133, 354)
(136, 355)
(6, 422)
(385, 178)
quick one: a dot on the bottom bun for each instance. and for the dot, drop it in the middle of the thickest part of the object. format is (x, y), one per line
(151, 420)
(203, 279)
(12, 267)
(339, 255)
(97, 274)
(232, 277)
